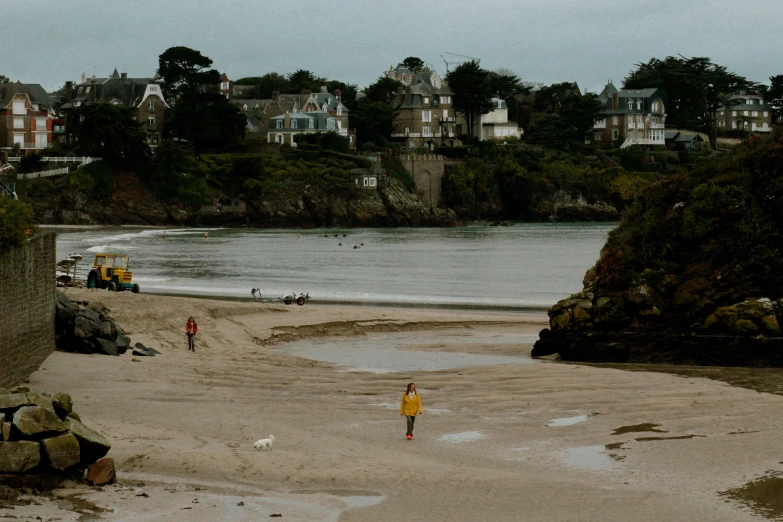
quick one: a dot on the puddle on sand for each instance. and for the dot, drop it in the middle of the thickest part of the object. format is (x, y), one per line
(380, 354)
(763, 495)
(362, 500)
(637, 428)
(465, 436)
(589, 458)
(679, 437)
(567, 421)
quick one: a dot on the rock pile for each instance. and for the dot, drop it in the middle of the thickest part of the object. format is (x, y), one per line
(665, 318)
(43, 437)
(87, 328)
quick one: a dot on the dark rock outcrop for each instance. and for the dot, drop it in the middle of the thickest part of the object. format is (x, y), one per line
(87, 328)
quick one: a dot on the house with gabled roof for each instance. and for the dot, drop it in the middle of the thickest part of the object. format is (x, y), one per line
(425, 116)
(746, 112)
(632, 117)
(143, 96)
(283, 128)
(495, 125)
(25, 117)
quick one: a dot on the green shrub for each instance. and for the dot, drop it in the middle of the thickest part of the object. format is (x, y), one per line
(16, 223)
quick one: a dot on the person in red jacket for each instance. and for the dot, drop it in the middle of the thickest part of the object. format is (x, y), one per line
(190, 329)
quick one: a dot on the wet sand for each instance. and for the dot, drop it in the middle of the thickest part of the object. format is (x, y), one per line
(183, 425)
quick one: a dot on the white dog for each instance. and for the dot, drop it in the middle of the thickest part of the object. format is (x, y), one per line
(265, 444)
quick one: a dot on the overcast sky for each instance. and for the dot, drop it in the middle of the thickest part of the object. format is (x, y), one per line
(588, 41)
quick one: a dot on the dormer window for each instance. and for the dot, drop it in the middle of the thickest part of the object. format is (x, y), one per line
(293, 124)
(311, 124)
(279, 124)
(630, 105)
(426, 100)
(639, 104)
(340, 110)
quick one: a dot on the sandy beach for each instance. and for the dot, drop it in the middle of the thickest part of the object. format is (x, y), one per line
(532, 441)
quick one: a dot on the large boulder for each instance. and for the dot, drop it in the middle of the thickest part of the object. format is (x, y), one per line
(108, 331)
(61, 452)
(750, 317)
(101, 472)
(39, 399)
(18, 457)
(63, 405)
(106, 347)
(36, 422)
(12, 401)
(93, 445)
(122, 343)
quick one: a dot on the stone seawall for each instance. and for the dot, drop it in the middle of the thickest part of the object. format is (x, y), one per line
(27, 308)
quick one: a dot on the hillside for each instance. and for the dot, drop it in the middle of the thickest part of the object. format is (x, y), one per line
(693, 274)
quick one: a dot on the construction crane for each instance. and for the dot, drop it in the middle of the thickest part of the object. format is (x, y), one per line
(452, 61)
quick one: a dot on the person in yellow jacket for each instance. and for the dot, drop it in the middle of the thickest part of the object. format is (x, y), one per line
(411, 405)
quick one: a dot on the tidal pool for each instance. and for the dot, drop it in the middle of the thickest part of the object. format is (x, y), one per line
(380, 353)
(567, 421)
(589, 458)
(465, 436)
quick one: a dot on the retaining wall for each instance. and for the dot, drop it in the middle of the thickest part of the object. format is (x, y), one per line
(427, 172)
(27, 308)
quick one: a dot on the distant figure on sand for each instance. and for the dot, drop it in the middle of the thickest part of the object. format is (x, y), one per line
(206, 235)
(191, 328)
(411, 405)
(164, 234)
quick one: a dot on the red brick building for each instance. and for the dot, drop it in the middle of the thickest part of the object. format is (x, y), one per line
(25, 118)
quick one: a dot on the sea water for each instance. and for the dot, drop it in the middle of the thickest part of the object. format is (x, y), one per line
(520, 266)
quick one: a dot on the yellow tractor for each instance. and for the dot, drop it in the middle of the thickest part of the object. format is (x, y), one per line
(111, 271)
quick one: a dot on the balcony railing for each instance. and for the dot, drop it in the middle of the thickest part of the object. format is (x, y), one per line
(449, 119)
(657, 125)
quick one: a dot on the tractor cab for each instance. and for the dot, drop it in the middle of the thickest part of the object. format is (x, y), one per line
(111, 271)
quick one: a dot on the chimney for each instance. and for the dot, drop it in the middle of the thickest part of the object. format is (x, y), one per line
(338, 93)
(287, 123)
(68, 91)
(92, 90)
(276, 95)
(124, 77)
(324, 90)
(84, 77)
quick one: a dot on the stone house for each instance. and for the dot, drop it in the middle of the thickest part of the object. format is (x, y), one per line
(25, 118)
(748, 112)
(142, 95)
(425, 115)
(632, 117)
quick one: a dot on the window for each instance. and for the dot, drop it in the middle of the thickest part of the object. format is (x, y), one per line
(630, 105)
(330, 124)
(19, 107)
(19, 138)
(151, 121)
(597, 136)
(615, 120)
(734, 124)
(426, 100)
(279, 124)
(366, 181)
(639, 105)
(426, 131)
(755, 113)
(615, 134)
(293, 124)
(153, 88)
(340, 110)
(151, 105)
(638, 119)
(749, 102)
(733, 113)
(766, 114)
(311, 124)
(744, 113)
(18, 123)
(373, 182)
(279, 138)
(445, 114)
(407, 130)
(426, 116)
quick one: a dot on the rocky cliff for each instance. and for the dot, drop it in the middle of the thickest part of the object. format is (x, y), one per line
(313, 203)
(693, 274)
